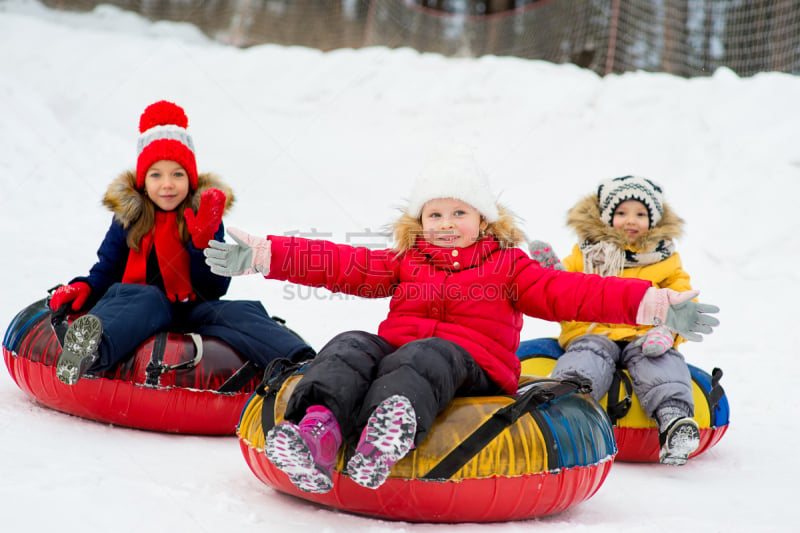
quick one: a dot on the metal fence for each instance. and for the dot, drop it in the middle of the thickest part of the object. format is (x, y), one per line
(682, 37)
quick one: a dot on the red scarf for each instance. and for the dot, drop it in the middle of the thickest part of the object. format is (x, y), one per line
(173, 259)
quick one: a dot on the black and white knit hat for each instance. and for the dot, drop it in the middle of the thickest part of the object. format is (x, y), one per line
(454, 173)
(613, 192)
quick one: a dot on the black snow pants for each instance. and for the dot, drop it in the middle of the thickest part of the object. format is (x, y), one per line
(357, 370)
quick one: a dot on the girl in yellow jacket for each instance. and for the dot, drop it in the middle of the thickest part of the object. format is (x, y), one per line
(627, 230)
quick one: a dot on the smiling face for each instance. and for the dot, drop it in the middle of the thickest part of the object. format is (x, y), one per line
(166, 184)
(632, 217)
(451, 223)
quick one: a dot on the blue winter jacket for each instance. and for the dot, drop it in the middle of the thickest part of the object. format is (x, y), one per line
(113, 258)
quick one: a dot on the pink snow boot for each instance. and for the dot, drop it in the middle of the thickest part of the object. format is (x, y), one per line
(387, 438)
(306, 452)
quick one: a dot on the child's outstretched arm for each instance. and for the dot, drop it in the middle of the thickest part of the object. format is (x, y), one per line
(678, 312)
(570, 296)
(250, 255)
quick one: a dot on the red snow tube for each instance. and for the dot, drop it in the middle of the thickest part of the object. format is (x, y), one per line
(486, 459)
(173, 383)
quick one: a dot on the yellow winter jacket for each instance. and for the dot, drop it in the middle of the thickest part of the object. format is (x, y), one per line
(584, 218)
(667, 274)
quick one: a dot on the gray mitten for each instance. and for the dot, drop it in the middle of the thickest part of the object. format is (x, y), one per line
(543, 253)
(678, 312)
(689, 319)
(249, 255)
(657, 341)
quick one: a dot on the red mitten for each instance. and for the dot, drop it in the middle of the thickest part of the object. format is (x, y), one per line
(205, 223)
(77, 293)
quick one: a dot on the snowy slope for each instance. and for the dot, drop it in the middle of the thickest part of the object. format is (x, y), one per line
(327, 143)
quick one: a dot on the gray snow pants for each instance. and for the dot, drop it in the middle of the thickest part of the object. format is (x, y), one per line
(655, 380)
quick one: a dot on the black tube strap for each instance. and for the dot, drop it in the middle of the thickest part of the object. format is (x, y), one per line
(240, 378)
(717, 392)
(58, 319)
(532, 397)
(617, 408)
(276, 373)
(156, 365)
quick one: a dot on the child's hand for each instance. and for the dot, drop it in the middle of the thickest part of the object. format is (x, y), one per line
(543, 253)
(205, 224)
(77, 293)
(249, 255)
(678, 312)
(657, 341)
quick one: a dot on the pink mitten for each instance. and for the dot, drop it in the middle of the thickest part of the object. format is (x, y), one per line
(543, 253)
(657, 341)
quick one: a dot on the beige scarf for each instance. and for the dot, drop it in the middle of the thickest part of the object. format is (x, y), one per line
(606, 259)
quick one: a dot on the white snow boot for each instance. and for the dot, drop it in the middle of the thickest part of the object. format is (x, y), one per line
(678, 441)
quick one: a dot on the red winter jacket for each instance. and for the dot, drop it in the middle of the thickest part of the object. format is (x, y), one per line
(473, 296)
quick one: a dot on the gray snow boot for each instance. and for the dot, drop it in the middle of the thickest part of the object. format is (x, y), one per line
(678, 441)
(80, 349)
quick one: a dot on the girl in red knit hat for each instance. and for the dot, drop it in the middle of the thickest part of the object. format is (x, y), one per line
(150, 275)
(459, 288)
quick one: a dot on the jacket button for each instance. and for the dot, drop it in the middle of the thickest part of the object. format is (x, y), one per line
(455, 253)
(456, 265)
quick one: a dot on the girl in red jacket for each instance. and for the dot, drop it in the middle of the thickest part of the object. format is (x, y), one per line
(459, 288)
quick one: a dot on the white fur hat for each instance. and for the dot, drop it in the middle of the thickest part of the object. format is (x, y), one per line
(613, 192)
(454, 173)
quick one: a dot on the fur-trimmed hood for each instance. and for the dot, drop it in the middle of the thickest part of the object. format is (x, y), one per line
(126, 202)
(585, 219)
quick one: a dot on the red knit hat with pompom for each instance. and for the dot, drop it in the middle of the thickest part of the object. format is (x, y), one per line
(163, 136)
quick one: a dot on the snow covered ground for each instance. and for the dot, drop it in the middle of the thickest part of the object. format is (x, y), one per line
(327, 143)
